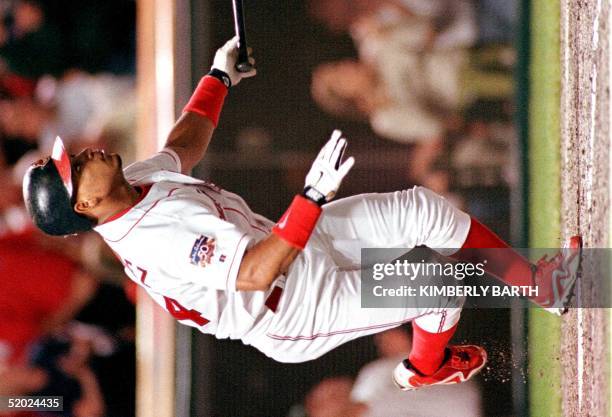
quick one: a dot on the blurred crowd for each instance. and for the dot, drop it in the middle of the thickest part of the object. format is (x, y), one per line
(373, 394)
(435, 75)
(66, 321)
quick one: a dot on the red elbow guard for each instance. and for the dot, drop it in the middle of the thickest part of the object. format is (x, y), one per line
(298, 222)
(207, 99)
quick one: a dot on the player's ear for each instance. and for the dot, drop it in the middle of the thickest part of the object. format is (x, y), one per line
(85, 206)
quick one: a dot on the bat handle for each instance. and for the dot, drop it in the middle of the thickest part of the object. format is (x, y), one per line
(243, 64)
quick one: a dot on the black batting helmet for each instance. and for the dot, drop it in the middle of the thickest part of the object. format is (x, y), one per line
(48, 195)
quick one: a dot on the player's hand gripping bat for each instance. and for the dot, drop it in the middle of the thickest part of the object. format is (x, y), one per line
(243, 64)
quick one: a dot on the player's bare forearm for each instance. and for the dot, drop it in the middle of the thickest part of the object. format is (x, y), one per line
(262, 263)
(190, 138)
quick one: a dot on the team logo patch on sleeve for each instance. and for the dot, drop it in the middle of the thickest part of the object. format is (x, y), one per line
(202, 251)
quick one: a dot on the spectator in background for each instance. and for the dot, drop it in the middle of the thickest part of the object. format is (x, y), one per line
(352, 90)
(49, 37)
(45, 48)
(92, 362)
(482, 155)
(373, 393)
(112, 314)
(405, 104)
(416, 25)
(331, 398)
(339, 15)
(30, 46)
(41, 291)
(451, 18)
(13, 217)
(384, 399)
(21, 379)
(414, 75)
(80, 108)
(66, 359)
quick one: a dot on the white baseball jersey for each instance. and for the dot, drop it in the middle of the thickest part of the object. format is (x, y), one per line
(183, 242)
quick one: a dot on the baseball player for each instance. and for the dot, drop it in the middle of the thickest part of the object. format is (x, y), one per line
(290, 289)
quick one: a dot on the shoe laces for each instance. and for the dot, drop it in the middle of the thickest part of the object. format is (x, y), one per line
(544, 263)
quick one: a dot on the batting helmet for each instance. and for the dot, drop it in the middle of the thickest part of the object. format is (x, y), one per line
(48, 195)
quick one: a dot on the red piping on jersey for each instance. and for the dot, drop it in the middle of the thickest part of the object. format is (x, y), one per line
(221, 211)
(144, 190)
(247, 219)
(337, 332)
(215, 202)
(233, 259)
(141, 217)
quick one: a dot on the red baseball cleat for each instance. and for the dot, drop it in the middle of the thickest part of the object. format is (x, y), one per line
(556, 277)
(460, 364)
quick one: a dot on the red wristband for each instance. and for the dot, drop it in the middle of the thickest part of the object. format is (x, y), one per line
(207, 99)
(298, 222)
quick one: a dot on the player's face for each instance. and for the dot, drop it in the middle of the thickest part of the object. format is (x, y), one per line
(95, 173)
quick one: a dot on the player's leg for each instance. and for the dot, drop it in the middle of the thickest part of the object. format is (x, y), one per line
(320, 309)
(554, 277)
(432, 361)
(405, 219)
(431, 334)
(420, 217)
(402, 219)
(317, 313)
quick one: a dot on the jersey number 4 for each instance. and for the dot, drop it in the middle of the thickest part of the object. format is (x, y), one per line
(174, 307)
(181, 313)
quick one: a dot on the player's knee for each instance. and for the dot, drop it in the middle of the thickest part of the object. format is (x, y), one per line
(439, 220)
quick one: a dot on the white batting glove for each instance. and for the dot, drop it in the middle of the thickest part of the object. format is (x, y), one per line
(225, 60)
(328, 170)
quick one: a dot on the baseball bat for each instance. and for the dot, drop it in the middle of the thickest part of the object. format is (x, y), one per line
(243, 64)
